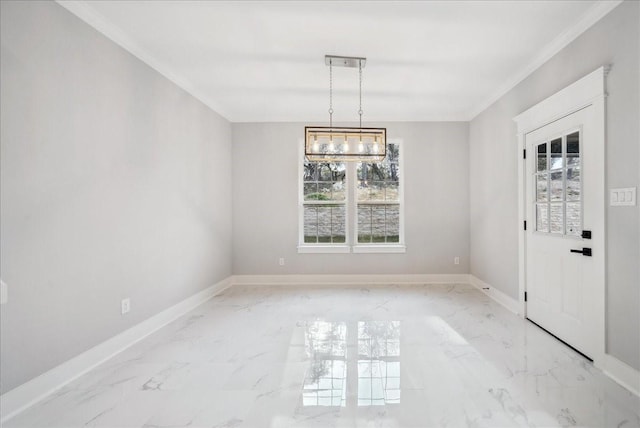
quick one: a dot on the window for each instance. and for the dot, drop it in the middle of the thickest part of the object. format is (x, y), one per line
(352, 206)
(379, 199)
(325, 210)
(558, 186)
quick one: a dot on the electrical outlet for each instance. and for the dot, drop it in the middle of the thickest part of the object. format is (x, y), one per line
(456, 260)
(125, 305)
(281, 261)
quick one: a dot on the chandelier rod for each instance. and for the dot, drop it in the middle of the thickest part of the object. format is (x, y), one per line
(331, 93)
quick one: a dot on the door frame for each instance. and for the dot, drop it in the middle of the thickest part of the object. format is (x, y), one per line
(587, 91)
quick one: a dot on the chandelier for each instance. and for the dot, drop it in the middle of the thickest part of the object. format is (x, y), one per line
(329, 143)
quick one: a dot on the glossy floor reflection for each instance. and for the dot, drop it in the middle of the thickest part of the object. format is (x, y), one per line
(380, 356)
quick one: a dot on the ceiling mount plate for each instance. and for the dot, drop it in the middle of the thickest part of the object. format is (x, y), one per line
(344, 61)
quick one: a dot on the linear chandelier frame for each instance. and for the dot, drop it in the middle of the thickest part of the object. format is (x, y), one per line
(340, 144)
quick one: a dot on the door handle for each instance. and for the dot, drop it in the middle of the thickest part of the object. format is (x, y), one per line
(585, 251)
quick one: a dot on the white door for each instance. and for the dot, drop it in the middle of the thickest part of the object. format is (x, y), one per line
(564, 198)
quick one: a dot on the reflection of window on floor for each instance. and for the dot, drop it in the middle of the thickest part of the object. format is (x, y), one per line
(325, 383)
(378, 363)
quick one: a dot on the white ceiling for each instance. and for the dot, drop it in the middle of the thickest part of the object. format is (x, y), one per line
(264, 61)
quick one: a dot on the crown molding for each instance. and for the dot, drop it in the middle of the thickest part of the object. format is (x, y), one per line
(89, 15)
(588, 19)
(83, 10)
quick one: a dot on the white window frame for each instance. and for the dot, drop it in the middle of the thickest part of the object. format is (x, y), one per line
(351, 244)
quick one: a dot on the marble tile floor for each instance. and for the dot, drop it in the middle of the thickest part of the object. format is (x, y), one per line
(314, 356)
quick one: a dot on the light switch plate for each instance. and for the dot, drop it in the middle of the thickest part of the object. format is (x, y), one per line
(622, 197)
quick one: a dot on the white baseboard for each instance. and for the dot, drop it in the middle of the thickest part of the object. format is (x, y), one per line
(29, 393)
(507, 301)
(323, 279)
(622, 373)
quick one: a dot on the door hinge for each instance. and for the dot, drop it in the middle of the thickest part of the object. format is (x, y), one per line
(524, 153)
(525, 225)
(525, 296)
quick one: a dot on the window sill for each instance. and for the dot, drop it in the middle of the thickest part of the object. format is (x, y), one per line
(379, 248)
(343, 249)
(323, 249)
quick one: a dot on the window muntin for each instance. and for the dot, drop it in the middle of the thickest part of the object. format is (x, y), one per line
(558, 186)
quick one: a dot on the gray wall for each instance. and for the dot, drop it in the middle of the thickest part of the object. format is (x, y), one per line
(265, 199)
(493, 174)
(115, 183)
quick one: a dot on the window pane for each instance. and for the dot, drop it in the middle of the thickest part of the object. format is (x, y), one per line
(378, 223)
(380, 181)
(393, 223)
(391, 192)
(542, 157)
(541, 188)
(573, 149)
(556, 186)
(363, 191)
(556, 154)
(338, 191)
(324, 181)
(364, 223)
(542, 217)
(574, 220)
(573, 184)
(324, 223)
(310, 224)
(556, 218)
(311, 171)
(311, 191)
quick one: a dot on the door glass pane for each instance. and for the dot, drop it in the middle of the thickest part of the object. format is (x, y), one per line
(574, 221)
(541, 188)
(556, 186)
(573, 149)
(542, 217)
(573, 184)
(556, 218)
(542, 157)
(556, 154)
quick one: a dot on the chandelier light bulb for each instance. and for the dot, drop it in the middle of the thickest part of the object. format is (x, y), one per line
(345, 146)
(360, 147)
(315, 143)
(331, 146)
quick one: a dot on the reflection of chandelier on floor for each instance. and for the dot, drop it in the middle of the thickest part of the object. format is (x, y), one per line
(344, 143)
